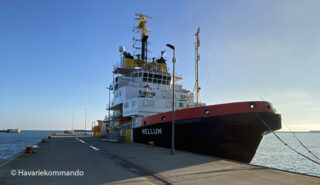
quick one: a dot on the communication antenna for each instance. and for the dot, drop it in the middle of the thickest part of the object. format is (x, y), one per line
(197, 58)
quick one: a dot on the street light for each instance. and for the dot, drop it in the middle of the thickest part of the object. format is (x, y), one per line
(85, 121)
(109, 88)
(72, 122)
(173, 103)
(92, 130)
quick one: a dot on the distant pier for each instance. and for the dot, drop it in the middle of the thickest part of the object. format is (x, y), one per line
(91, 161)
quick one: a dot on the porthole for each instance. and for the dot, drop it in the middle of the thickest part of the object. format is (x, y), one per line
(163, 118)
(207, 112)
(252, 105)
(269, 107)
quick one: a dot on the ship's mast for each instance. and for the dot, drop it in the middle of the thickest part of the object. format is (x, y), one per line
(144, 34)
(197, 58)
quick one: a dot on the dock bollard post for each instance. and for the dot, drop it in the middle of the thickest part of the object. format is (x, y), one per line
(151, 144)
(28, 149)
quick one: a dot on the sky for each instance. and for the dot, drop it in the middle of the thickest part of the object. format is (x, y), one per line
(56, 57)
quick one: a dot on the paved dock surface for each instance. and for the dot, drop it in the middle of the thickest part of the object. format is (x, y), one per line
(127, 163)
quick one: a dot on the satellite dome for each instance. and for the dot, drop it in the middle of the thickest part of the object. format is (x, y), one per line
(121, 49)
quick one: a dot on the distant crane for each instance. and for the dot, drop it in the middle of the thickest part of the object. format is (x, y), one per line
(197, 58)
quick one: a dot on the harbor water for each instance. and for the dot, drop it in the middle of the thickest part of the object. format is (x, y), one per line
(271, 152)
(13, 143)
(274, 154)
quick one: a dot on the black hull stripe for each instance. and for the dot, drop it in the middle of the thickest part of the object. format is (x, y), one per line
(235, 137)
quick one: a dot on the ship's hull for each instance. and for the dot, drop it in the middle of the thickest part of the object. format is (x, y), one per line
(235, 136)
(13, 130)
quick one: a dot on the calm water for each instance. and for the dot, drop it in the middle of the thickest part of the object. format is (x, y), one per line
(273, 153)
(13, 143)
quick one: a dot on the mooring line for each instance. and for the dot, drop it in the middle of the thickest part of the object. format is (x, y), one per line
(265, 124)
(282, 119)
(294, 135)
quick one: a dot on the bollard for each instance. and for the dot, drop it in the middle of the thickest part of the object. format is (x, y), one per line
(28, 150)
(49, 137)
(151, 144)
(43, 140)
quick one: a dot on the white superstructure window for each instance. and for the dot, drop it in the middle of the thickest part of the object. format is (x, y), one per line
(133, 103)
(151, 102)
(145, 102)
(169, 104)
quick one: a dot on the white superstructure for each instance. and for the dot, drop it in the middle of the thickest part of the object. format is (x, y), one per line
(141, 91)
(142, 86)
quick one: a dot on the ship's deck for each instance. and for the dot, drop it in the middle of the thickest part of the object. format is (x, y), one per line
(127, 163)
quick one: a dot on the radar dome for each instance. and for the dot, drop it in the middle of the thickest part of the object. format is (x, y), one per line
(121, 49)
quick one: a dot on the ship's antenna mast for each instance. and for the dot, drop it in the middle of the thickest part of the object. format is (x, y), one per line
(197, 58)
(141, 28)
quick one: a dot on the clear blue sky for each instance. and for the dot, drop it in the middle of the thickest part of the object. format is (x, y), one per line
(56, 56)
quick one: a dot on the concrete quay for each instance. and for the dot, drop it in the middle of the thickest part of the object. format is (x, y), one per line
(130, 163)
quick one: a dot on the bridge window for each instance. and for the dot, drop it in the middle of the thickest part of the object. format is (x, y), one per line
(157, 76)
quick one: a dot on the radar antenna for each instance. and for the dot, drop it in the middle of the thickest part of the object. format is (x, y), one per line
(141, 28)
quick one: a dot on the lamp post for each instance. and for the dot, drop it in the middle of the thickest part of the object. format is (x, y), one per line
(109, 88)
(85, 121)
(72, 122)
(173, 103)
(92, 128)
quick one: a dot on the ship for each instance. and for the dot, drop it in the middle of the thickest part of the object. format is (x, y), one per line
(11, 131)
(147, 98)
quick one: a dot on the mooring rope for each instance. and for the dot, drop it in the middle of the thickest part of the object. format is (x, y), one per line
(253, 92)
(294, 135)
(265, 124)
